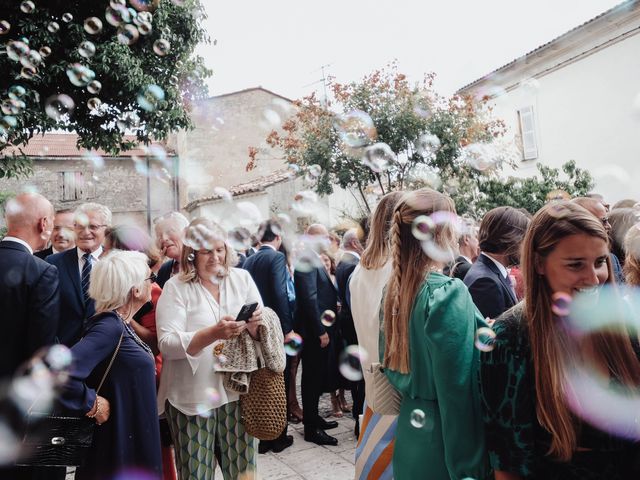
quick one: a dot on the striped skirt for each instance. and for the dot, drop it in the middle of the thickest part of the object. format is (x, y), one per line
(374, 451)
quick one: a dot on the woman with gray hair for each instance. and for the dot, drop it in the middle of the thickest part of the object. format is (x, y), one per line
(127, 435)
(195, 316)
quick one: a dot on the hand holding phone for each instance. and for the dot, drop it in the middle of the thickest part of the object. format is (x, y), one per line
(246, 311)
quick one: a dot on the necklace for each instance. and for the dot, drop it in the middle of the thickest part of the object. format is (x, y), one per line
(135, 336)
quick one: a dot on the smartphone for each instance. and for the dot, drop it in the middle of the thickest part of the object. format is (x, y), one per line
(246, 311)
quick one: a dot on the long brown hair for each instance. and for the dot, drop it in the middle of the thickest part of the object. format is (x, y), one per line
(410, 264)
(611, 350)
(376, 253)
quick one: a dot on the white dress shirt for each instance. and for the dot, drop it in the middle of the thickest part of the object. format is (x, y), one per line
(182, 310)
(95, 254)
(501, 267)
(20, 241)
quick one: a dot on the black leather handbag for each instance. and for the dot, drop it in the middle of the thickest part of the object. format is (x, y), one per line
(59, 441)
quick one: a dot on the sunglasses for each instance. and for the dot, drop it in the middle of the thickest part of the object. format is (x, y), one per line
(153, 277)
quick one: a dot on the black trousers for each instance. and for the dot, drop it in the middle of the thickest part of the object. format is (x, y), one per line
(315, 362)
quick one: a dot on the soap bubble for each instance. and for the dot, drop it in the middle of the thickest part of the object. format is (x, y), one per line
(313, 173)
(118, 3)
(305, 202)
(561, 304)
(127, 34)
(45, 51)
(17, 49)
(144, 5)
(53, 27)
(417, 418)
(356, 129)
(80, 75)
(427, 145)
(87, 49)
(10, 106)
(239, 238)
(557, 195)
(145, 28)
(351, 360)
(328, 318)
(161, 47)
(28, 72)
(93, 159)
(16, 92)
(27, 6)
(57, 107)
(223, 193)
(117, 15)
(479, 156)
(93, 25)
(5, 27)
(94, 87)
(485, 339)
(433, 248)
(150, 98)
(293, 345)
(378, 157)
(8, 122)
(67, 17)
(32, 59)
(423, 227)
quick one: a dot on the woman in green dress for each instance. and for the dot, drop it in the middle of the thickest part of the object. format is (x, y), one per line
(531, 426)
(430, 323)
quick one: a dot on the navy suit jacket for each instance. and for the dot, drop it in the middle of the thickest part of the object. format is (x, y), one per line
(268, 268)
(73, 314)
(488, 288)
(344, 269)
(315, 293)
(44, 253)
(29, 298)
(462, 266)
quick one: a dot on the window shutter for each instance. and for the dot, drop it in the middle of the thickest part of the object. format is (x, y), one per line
(528, 133)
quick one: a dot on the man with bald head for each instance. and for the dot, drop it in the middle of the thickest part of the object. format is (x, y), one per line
(28, 285)
(596, 207)
(315, 293)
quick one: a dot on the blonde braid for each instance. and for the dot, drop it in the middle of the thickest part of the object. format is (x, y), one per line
(396, 348)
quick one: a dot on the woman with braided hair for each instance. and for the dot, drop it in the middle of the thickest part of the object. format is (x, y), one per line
(430, 323)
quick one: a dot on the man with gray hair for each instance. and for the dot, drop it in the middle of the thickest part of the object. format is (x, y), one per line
(74, 266)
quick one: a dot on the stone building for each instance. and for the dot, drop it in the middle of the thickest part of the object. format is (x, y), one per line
(69, 176)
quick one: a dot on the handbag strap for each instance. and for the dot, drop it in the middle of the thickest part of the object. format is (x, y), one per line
(113, 357)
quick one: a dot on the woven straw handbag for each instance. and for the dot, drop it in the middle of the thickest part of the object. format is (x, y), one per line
(386, 399)
(264, 408)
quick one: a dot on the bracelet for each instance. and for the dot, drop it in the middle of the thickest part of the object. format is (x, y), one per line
(98, 410)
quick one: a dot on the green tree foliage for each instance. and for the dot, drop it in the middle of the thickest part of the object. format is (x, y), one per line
(533, 192)
(384, 132)
(145, 47)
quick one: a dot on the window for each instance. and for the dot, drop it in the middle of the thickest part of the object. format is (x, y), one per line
(528, 133)
(74, 187)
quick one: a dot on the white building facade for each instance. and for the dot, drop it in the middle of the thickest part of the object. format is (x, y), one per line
(577, 98)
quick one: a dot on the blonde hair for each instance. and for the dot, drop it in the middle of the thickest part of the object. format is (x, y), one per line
(376, 252)
(632, 256)
(114, 276)
(200, 233)
(410, 265)
(550, 343)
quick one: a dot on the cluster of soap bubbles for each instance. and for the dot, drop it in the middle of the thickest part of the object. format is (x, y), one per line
(427, 229)
(33, 388)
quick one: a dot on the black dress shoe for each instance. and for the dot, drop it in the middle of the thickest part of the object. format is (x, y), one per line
(319, 437)
(324, 425)
(280, 444)
(264, 446)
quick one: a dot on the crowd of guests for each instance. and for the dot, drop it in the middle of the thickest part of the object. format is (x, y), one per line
(159, 316)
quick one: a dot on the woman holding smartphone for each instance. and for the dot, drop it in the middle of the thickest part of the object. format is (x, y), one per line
(196, 314)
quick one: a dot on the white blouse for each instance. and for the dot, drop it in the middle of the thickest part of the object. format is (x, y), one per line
(183, 309)
(366, 288)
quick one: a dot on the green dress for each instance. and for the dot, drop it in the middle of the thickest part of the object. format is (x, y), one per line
(442, 385)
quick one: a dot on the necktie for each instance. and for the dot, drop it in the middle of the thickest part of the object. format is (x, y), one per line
(86, 273)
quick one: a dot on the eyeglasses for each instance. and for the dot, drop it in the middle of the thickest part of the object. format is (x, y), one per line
(92, 228)
(153, 277)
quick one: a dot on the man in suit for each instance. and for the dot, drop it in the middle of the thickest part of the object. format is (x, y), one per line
(501, 232)
(169, 230)
(352, 249)
(63, 237)
(74, 270)
(315, 293)
(268, 268)
(28, 293)
(469, 250)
